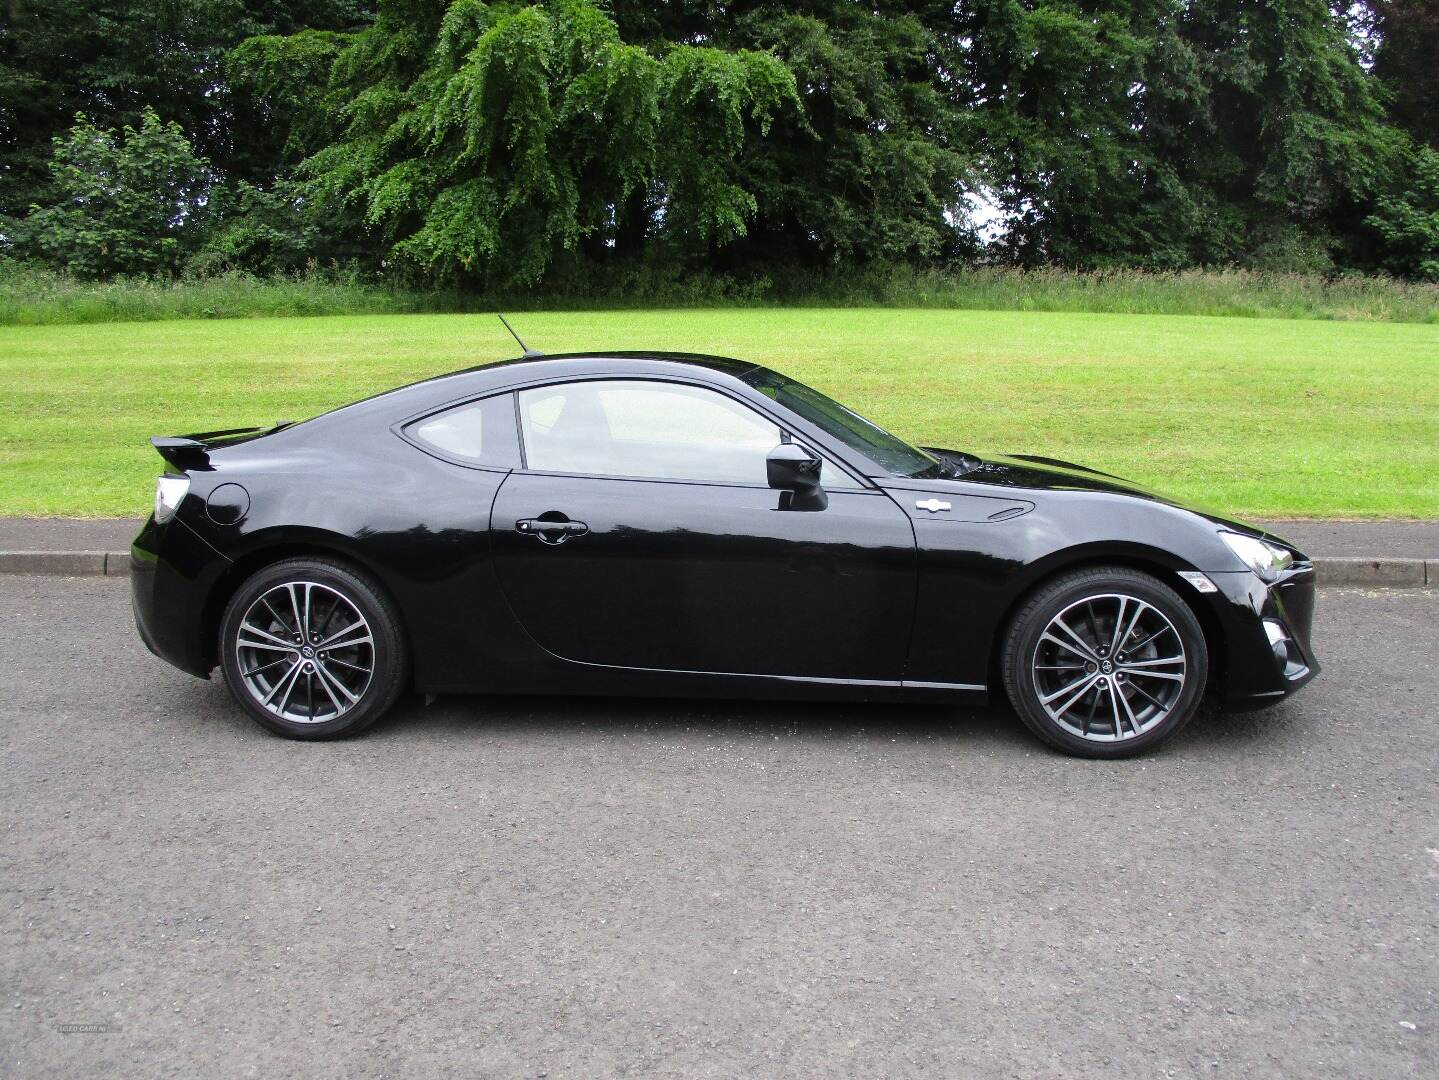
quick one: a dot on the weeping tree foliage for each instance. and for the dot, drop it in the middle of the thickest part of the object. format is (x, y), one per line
(483, 141)
(875, 166)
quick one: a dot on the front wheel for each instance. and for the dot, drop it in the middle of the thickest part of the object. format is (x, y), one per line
(1105, 662)
(312, 649)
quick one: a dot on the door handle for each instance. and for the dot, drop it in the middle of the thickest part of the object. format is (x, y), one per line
(551, 530)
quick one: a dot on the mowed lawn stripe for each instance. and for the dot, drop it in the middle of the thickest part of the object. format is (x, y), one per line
(1252, 416)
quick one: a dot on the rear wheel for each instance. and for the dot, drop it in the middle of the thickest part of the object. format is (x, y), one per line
(312, 649)
(1105, 662)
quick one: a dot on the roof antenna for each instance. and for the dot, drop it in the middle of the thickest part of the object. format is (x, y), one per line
(528, 351)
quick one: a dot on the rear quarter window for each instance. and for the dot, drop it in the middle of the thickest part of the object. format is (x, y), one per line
(476, 433)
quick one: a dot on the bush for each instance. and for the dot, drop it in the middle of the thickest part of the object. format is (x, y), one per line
(1408, 221)
(30, 294)
(127, 203)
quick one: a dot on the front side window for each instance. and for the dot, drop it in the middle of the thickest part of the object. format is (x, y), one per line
(648, 430)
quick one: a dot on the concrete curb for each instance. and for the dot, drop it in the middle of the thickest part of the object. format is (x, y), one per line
(66, 563)
(1375, 573)
(1384, 573)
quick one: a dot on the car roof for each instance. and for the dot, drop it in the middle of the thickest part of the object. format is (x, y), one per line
(640, 359)
(482, 378)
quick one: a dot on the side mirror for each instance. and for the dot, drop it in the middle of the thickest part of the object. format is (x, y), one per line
(790, 467)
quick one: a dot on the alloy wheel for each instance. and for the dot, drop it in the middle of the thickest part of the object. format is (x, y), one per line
(305, 652)
(1109, 667)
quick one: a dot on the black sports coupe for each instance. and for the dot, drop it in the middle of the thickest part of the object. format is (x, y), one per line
(683, 525)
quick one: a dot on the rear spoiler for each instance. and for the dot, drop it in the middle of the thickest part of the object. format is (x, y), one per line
(182, 452)
(193, 451)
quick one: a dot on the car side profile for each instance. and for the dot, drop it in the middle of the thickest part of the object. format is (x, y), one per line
(684, 525)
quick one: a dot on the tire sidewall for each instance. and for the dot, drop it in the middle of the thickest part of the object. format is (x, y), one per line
(1035, 618)
(388, 647)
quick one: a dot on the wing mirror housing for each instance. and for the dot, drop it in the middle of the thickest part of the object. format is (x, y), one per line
(791, 467)
(795, 470)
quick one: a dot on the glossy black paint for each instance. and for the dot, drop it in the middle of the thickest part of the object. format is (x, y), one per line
(517, 581)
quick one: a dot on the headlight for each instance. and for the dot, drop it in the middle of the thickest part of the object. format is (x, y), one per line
(1265, 559)
(169, 490)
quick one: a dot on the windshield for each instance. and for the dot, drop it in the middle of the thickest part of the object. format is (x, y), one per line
(846, 425)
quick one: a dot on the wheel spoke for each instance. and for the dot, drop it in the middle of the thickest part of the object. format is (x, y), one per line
(1170, 675)
(335, 641)
(346, 663)
(295, 607)
(1118, 622)
(1114, 708)
(1140, 690)
(264, 667)
(329, 677)
(1093, 709)
(285, 680)
(1086, 650)
(322, 626)
(279, 619)
(1120, 638)
(325, 685)
(1065, 689)
(274, 642)
(264, 645)
(1118, 691)
(1072, 701)
(1094, 634)
(1158, 633)
(285, 697)
(305, 628)
(1163, 661)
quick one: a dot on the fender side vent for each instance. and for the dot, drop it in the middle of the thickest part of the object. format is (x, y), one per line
(1007, 513)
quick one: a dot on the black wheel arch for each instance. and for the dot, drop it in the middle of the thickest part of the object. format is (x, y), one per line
(1161, 565)
(268, 550)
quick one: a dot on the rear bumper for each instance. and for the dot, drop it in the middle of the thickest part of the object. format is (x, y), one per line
(171, 572)
(1267, 651)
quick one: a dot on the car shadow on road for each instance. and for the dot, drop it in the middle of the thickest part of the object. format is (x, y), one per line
(467, 716)
(473, 716)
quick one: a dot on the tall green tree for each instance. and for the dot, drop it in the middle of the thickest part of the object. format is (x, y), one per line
(1175, 132)
(1403, 37)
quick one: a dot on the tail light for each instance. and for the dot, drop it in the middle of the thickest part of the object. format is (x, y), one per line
(169, 490)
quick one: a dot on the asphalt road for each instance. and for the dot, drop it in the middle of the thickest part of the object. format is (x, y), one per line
(526, 888)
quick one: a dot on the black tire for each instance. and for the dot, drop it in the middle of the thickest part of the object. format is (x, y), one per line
(1102, 588)
(386, 652)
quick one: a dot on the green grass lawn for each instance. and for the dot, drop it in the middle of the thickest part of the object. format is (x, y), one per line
(1252, 416)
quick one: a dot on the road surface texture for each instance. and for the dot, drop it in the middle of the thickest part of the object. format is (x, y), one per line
(581, 888)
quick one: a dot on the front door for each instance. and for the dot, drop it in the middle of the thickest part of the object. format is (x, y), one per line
(641, 534)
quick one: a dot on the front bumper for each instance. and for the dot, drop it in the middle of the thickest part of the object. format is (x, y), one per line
(1266, 628)
(172, 571)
